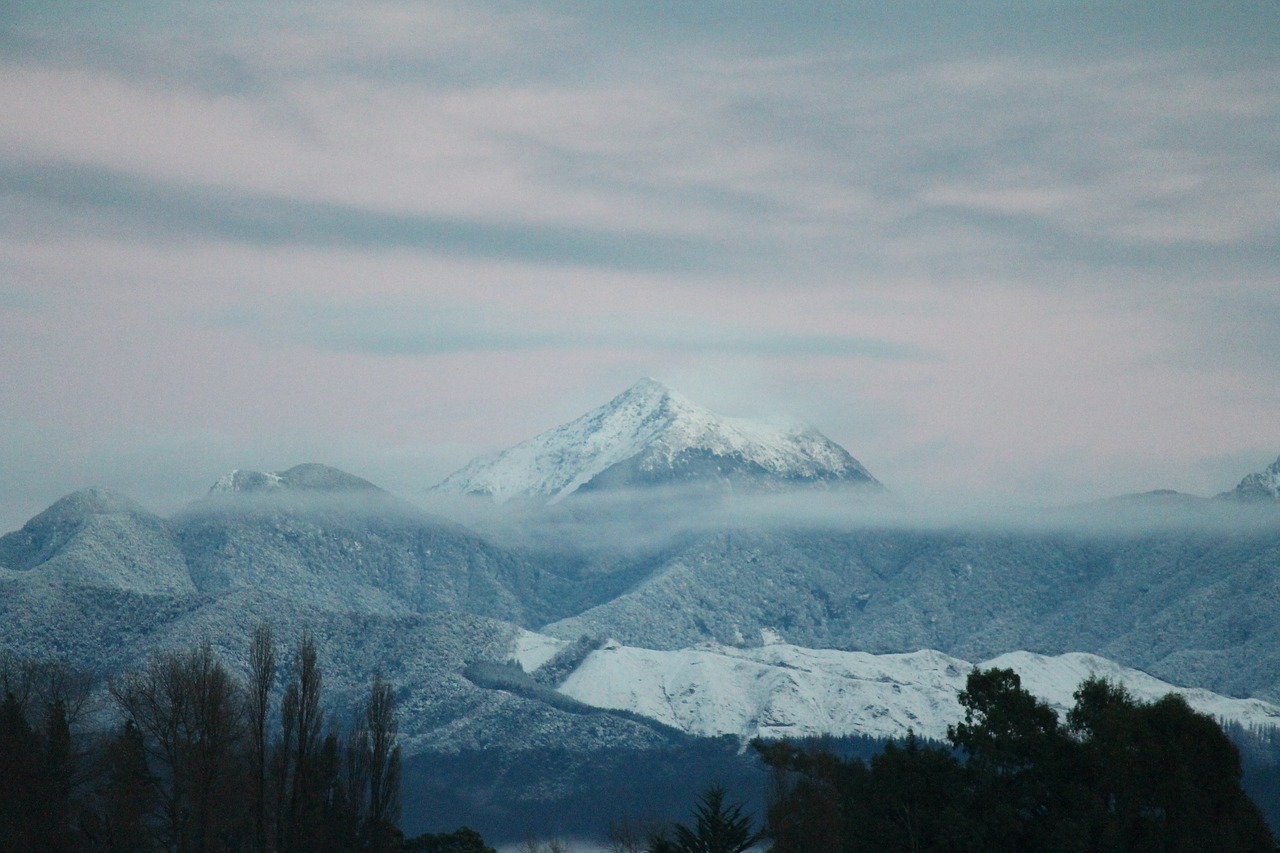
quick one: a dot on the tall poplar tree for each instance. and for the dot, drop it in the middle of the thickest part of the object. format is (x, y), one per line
(262, 677)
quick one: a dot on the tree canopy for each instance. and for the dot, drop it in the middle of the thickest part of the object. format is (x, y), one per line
(1121, 776)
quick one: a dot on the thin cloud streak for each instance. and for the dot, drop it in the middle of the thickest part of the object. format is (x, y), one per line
(152, 210)
(423, 330)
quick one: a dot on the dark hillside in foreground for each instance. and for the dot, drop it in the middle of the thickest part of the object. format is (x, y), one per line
(571, 792)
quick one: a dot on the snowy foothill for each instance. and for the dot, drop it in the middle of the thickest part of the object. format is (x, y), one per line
(781, 690)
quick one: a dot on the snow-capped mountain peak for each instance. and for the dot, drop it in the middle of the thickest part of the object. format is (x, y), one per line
(307, 477)
(650, 435)
(240, 480)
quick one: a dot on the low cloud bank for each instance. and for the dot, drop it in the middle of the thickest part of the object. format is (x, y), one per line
(655, 517)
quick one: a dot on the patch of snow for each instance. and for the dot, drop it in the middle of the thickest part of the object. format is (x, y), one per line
(780, 690)
(240, 480)
(1055, 679)
(1270, 479)
(533, 650)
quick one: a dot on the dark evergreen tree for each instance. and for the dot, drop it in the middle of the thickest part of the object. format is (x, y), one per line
(126, 798)
(717, 828)
(1122, 777)
(1019, 765)
(1162, 776)
(815, 797)
(19, 778)
(916, 799)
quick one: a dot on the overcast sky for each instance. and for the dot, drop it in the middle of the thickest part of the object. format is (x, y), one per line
(1018, 252)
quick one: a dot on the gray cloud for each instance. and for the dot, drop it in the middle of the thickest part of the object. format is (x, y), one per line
(14, 298)
(1034, 168)
(1037, 236)
(155, 209)
(425, 330)
(837, 138)
(1235, 330)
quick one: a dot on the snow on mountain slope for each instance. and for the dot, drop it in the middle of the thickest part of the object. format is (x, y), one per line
(1260, 486)
(97, 538)
(789, 691)
(532, 649)
(651, 434)
(309, 476)
(1056, 678)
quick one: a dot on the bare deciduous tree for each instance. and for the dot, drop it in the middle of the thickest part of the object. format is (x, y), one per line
(301, 720)
(191, 714)
(262, 677)
(383, 754)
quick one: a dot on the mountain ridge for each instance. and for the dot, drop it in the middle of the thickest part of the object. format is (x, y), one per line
(383, 585)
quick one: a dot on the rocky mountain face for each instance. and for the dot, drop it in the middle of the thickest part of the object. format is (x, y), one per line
(650, 436)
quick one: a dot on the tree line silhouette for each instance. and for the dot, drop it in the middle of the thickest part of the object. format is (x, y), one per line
(1120, 776)
(201, 760)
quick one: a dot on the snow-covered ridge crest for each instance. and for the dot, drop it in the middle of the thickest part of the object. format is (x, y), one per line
(781, 690)
(1260, 486)
(307, 477)
(246, 481)
(648, 434)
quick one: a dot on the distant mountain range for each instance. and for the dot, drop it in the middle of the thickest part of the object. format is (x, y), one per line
(756, 621)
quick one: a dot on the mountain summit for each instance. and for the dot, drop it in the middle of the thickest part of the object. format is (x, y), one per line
(308, 477)
(650, 435)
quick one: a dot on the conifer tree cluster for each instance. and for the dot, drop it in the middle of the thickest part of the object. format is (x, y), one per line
(40, 767)
(1121, 776)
